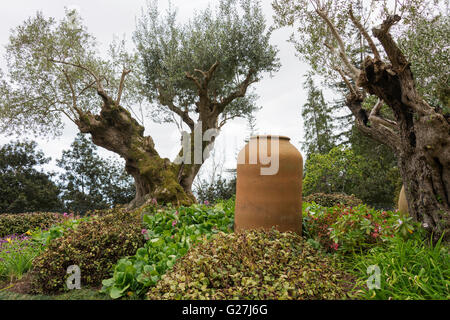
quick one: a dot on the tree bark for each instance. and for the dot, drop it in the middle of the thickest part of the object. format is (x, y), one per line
(155, 178)
(209, 120)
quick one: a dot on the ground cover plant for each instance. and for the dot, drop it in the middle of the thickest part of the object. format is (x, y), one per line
(254, 265)
(169, 232)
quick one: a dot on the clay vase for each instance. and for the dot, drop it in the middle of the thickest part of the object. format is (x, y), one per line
(269, 195)
(402, 203)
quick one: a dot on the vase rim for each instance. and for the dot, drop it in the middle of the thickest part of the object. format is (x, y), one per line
(268, 136)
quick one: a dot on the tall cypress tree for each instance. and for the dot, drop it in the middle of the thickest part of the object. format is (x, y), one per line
(318, 123)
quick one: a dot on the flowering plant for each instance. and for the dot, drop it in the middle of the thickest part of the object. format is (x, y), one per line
(348, 229)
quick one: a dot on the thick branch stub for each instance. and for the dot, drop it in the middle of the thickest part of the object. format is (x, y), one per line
(395, 55)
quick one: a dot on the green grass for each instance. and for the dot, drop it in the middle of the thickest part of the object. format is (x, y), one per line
(410, 269)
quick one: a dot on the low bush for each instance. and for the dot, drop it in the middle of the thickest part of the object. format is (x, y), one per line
(22, 222)
(94, 245)
(254, 265)
(408, 269)
(350, 229)
(170, 233)
(332, 199)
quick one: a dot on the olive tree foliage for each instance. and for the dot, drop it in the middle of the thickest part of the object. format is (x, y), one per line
(55, 70)
(205, 65)
(426, 42)
(417, 124)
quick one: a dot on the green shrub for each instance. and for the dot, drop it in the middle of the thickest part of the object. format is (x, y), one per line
(170, 233)
(409, 269)
(332, 199)
(95, 246)
(22, 222)
(253, 265)
(350, 229)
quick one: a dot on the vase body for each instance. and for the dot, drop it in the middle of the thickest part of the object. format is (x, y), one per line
(402, 203)
(269, 195)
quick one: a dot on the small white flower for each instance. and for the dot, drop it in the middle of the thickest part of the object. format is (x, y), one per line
(425, 225)
(400, 221)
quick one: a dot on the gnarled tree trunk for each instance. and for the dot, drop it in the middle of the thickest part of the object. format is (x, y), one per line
(155, 177)
(419, 136)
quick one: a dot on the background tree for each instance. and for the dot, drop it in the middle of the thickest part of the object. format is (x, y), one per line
(90, 181)
(342, 170)
(202, 69)
(317, 121)
(24, 188)
(416, 131)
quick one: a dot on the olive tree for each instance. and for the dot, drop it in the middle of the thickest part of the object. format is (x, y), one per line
(383, 94)
(198, 72)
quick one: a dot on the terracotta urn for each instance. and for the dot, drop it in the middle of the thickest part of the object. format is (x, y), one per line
(269, 185)
(402, 203)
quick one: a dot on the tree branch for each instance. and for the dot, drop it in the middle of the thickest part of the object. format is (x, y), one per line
(352, 69)
(377, 131)
(208, 74)
(352, 88)
(74, 98)
(101, 92)
(374, 116)
(121, 85)
(238, 93)
(167, 101)
(196, 81)
(363, 31)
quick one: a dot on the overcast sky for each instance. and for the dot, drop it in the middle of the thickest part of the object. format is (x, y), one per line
(280, 96)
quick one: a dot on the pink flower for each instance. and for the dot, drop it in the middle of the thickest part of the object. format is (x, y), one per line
(144, 231)
(174, 223)
(335, 246)
(206, 202)
(374, 234)
(154, 202)
(176, 212)
(65, 214)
